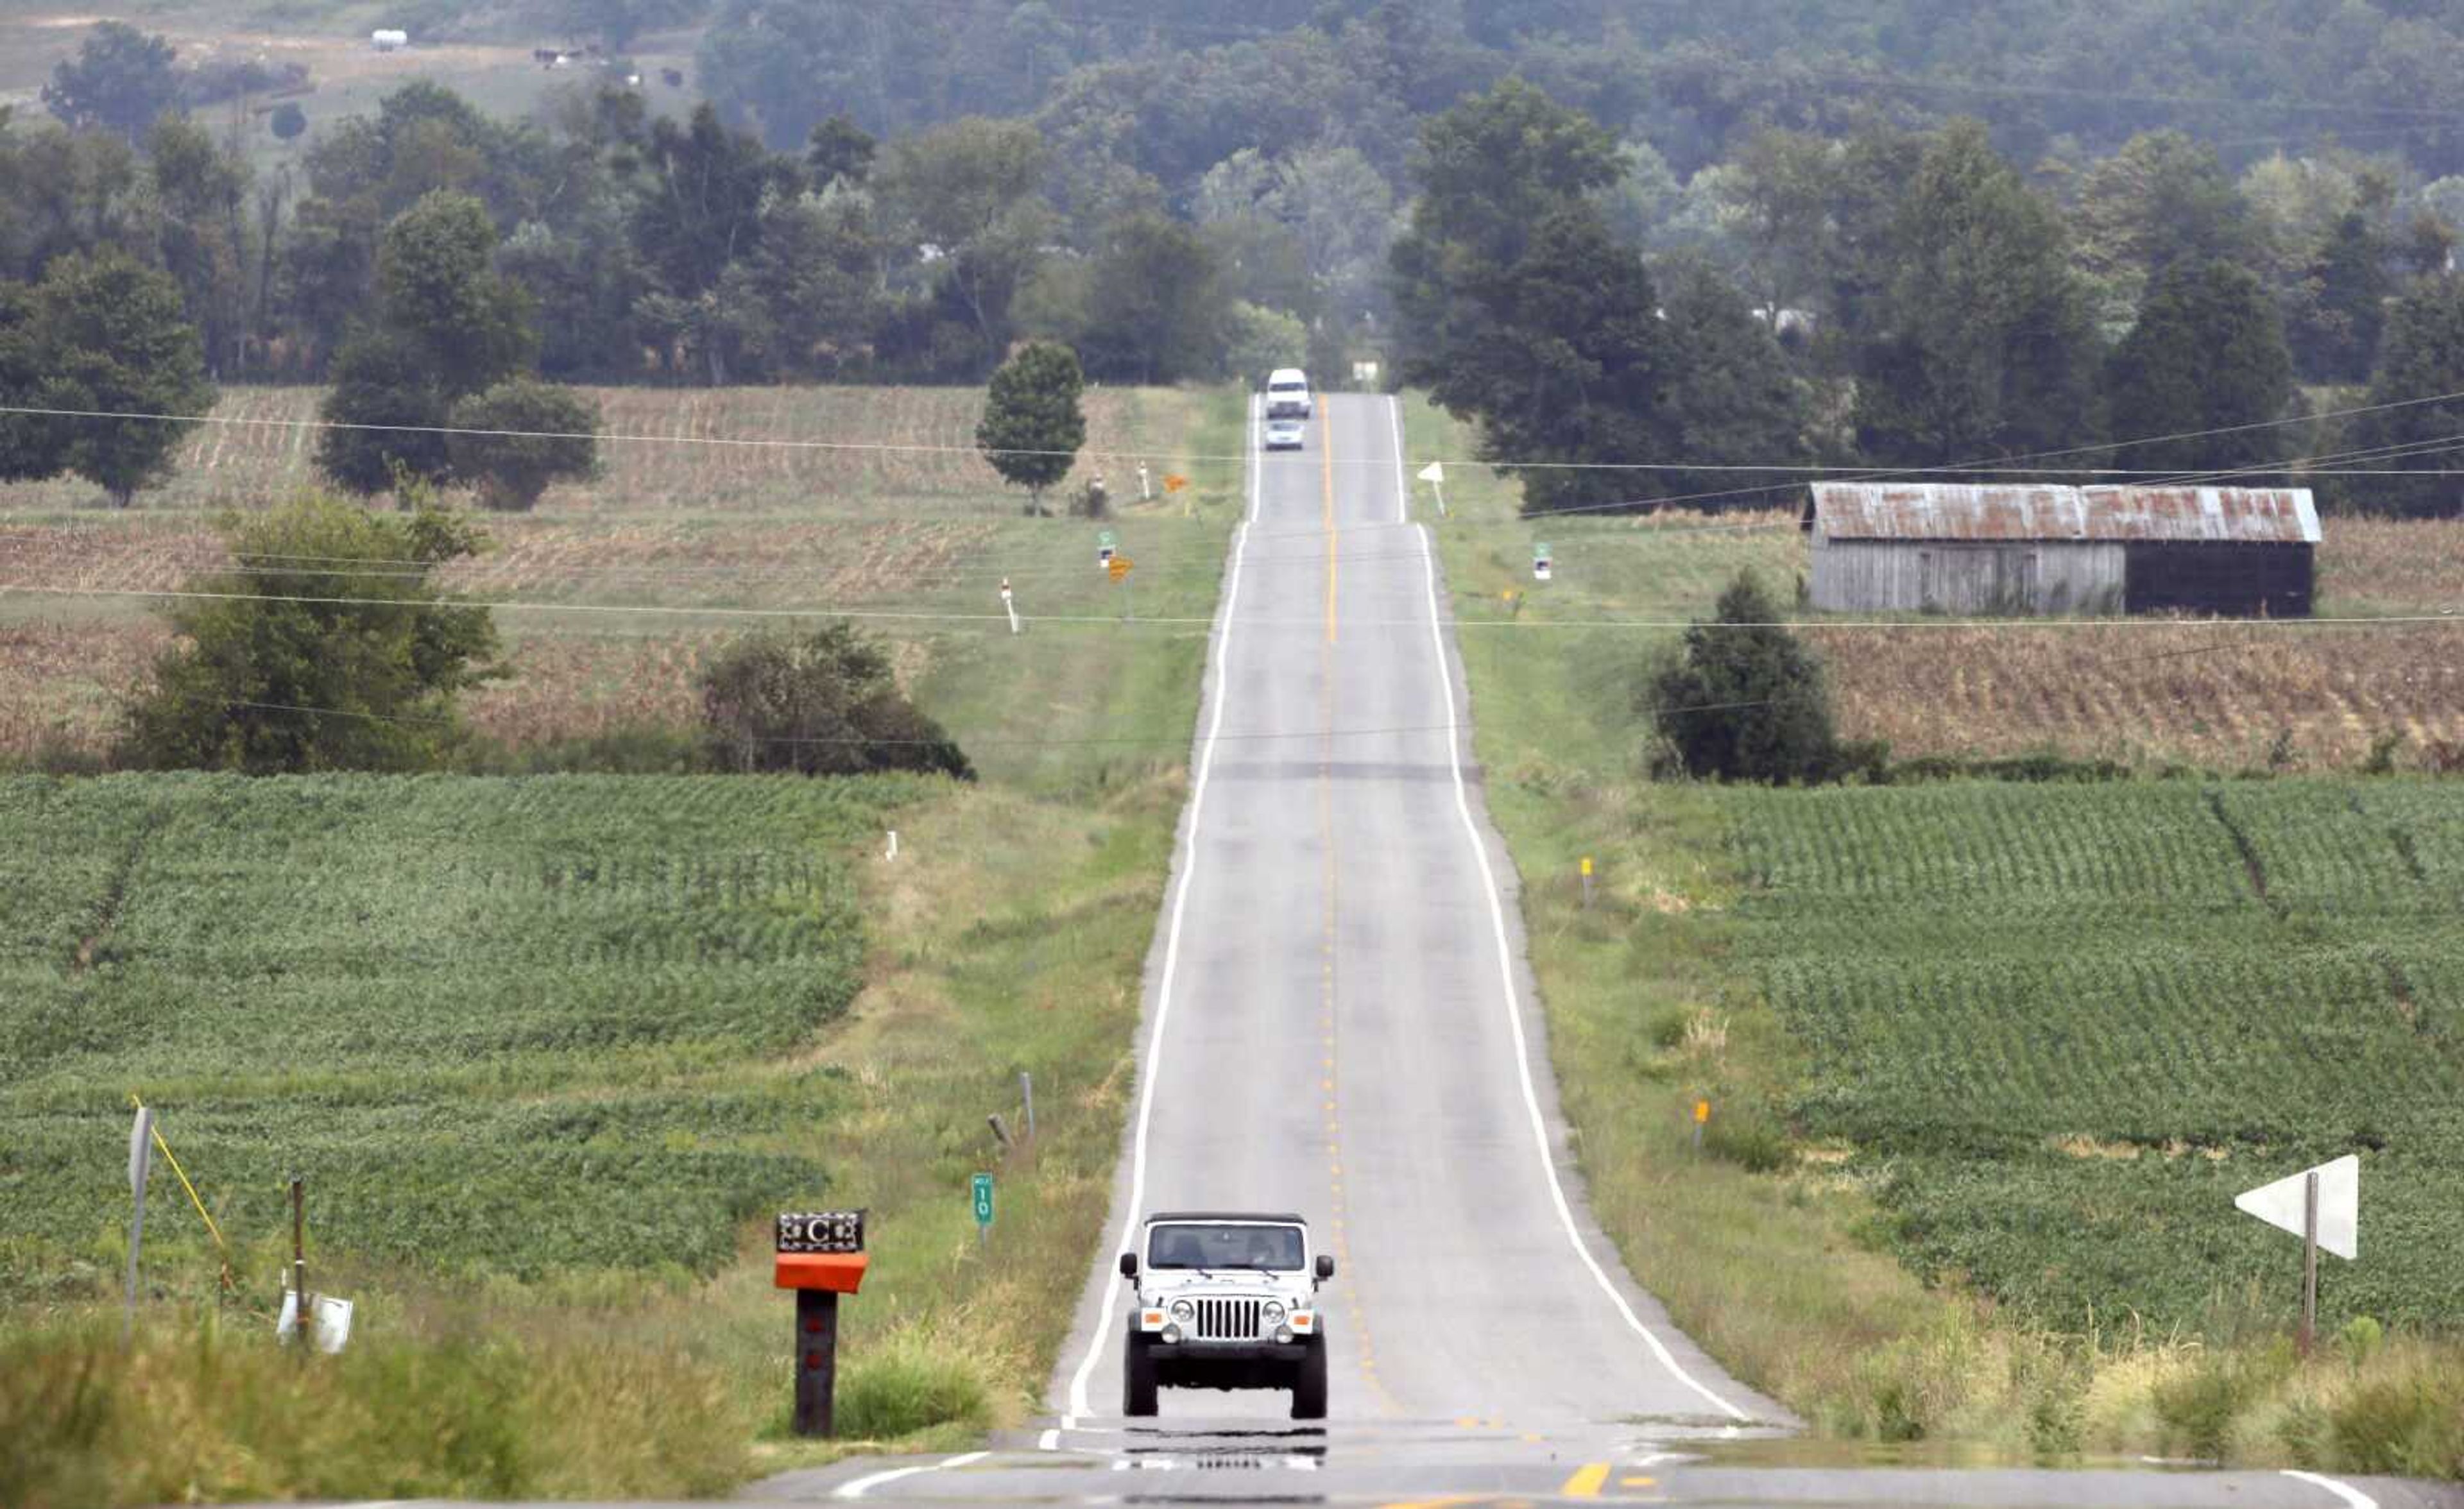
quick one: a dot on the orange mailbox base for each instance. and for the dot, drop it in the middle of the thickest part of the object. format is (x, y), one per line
(838, 1273)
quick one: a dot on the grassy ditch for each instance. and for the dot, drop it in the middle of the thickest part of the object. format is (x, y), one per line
(1914, 1183)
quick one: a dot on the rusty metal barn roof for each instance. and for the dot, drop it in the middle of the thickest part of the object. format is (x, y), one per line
(1960, 510)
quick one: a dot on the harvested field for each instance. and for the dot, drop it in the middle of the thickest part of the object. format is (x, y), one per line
(673, 464)
(2215, 695)
(610, 600)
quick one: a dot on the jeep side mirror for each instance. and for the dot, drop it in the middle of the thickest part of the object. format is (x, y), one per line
(1325, 1267)
(1129, 1265)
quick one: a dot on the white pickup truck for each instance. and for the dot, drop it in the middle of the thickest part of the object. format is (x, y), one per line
(1224, 1300)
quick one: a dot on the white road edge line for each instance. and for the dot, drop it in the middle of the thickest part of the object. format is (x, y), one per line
(860, 1486)
(1506, 975)
(2351, 1495)
(1152, 1071)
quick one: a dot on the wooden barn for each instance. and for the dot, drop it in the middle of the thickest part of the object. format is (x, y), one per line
(1959, 547)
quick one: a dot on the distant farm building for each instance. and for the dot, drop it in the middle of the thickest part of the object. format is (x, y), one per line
(388, 40)
(1935, 547)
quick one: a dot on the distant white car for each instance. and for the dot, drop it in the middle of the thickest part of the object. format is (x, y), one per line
(1285, 434)
(1288, 394)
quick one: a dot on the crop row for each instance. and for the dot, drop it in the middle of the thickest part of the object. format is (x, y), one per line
(476, 1014)
(2061, 1025)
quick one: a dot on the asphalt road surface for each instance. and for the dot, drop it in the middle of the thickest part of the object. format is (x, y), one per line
(1338, 1021)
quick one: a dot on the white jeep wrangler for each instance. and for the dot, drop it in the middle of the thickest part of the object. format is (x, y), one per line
(1224, 1300)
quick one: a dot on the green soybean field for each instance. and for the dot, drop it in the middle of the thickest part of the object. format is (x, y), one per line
(2055, 1028)
(497, 1026)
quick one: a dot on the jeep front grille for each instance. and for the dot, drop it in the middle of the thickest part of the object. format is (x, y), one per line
(1227, 1320)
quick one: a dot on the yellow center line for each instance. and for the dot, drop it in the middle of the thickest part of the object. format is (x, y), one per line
(1586, 1481)
(1326, 467)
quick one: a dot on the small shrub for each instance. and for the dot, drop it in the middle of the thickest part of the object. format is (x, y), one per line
(513, 440)
(911, 1384)
(2382, 757)
(2200, 1404)
(1751, 1139)
(818, 703)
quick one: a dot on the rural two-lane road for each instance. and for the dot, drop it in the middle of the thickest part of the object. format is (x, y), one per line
(1339, 1022)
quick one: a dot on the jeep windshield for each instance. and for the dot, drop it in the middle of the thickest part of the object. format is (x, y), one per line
(1208, 1245)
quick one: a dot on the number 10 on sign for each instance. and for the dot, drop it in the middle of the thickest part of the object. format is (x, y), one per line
(983, 1190)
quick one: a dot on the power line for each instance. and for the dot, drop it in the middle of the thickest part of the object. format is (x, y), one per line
(868, 742)
(2448, 617)
(2000, 463)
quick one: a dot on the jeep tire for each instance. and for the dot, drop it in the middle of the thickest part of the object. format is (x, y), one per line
(1137, 1377)
(1308, 1381)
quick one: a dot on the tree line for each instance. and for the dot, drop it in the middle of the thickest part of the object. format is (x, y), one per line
(1863, 286)
(1901, 298)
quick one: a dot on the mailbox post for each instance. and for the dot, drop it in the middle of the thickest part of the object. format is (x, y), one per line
(819, 1256)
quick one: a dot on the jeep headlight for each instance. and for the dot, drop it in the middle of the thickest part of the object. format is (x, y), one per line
(1184, 1311)
(1274, 1313)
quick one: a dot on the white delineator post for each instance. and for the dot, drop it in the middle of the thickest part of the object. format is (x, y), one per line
(140, 1165)
(1009, 605)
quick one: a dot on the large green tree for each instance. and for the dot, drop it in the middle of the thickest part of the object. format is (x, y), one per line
(447, 326)
(1158, 311)
(1518, 309)
(1032, 426)
(2207, 362)
(971, 192)
(2420, 366)
(325, 647)
(2340, 304)
(121, 80)
(2163, 199)
(437, 286)
(1982, 344)
(108, 337)
(201, 191)
(1735, 398)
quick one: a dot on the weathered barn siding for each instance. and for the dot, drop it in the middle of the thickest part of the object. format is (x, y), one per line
(2041, 548)
(1970, 578)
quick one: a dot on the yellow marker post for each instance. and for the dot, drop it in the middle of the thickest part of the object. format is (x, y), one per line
(1702, 1114)
(1587, 882)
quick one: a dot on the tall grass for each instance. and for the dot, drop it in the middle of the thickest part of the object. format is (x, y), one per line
(200, 1407)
